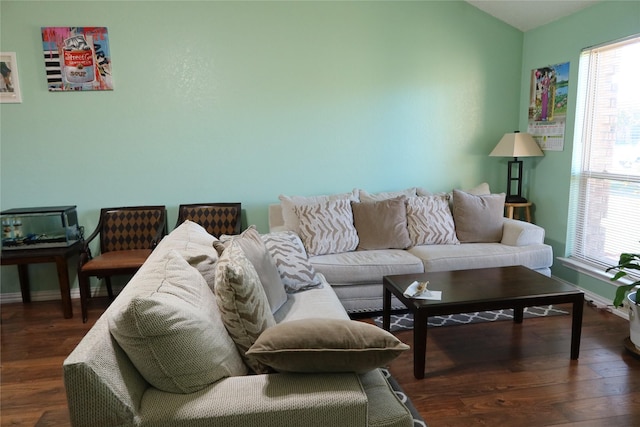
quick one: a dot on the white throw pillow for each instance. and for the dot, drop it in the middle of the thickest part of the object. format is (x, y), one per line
(256, 251)
(478, 190)
(377, 197)
(173, 332)
(242, 301)
(195, 245)
(430, 221)
(288, 203)
(292, 261)
(327, 227)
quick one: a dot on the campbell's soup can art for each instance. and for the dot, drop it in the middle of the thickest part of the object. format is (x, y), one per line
(79, 66)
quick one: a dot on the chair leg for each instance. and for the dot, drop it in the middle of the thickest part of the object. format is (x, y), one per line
(83, 283)
(107, 281)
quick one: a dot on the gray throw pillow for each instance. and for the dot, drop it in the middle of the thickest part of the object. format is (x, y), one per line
(292, 261)
(478, 219)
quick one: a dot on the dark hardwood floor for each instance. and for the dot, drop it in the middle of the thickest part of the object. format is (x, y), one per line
(488, 374)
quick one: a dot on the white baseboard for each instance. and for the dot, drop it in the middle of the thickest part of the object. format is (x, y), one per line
(600, 302)
(52, 295)
(12, 297)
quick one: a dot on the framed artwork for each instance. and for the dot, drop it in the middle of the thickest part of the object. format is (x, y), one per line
(77, 58)
(9, 83)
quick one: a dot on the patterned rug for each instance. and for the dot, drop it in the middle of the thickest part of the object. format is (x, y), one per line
(401, 322)
(418, 421)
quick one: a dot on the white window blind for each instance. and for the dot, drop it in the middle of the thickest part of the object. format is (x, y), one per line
(606, 166)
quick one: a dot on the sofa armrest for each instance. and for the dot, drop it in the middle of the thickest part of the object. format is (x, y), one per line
(520, 233)
(276, 221)
(103, 387)
(308, 400)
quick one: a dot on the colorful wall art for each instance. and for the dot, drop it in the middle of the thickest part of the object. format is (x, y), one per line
(548, 105)
(77, 58)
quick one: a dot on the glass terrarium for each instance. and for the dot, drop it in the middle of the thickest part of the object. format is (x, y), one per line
(41, 227)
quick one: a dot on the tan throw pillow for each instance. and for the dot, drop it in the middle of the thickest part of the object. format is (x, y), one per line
(256, 251)
(382, 224)
(174, 334)
(326, 345)
(292, 261)
(327, 227)
(288, 203)
(478, 219)
(430, 222)
(242, 302)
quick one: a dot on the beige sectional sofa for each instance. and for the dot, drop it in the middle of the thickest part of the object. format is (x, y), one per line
(195, 338)
(454, 231)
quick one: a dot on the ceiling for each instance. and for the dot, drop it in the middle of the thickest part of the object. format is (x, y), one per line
(526, 15)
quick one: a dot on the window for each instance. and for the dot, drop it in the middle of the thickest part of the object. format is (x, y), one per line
(606, 166)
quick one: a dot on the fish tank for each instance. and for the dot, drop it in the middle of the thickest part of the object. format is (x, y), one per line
(40, 227)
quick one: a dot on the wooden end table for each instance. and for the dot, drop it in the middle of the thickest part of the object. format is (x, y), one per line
(59, 255)
(468, 291)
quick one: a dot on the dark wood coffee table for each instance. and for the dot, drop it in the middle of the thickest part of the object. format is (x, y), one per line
(468, 291)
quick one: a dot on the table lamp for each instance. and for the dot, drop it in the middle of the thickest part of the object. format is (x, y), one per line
(516, 145)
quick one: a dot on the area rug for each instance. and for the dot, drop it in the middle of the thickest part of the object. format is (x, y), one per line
(418, 421)
(401, 322)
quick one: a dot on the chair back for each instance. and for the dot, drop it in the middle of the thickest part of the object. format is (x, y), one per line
(216, 218)
(132, 227)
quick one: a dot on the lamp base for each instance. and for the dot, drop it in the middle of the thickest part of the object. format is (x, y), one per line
(515, 199)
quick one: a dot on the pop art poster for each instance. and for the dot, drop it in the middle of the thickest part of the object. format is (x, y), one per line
(77, 58)
(548, 105)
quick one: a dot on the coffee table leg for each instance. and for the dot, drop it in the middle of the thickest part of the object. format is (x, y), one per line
(518, 314)
(386, 309)
(576, 326)
(419, 343)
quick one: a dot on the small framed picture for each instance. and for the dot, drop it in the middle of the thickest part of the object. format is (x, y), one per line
(9, 82)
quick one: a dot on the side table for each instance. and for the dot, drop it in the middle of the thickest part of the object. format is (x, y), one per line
(60, 255)
(511, 210)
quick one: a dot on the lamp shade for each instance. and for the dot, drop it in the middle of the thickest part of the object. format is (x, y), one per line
(517, 145)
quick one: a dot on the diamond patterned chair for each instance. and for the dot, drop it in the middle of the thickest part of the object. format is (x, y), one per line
(216, 218)
(127, 237)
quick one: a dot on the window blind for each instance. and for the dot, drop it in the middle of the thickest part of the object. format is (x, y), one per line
(606, 166)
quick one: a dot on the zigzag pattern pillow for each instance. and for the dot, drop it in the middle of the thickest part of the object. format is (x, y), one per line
(242, 302)
(292, 261)
(430, 221)
(327, 228)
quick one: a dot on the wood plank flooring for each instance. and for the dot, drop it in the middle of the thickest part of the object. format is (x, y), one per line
(487, 374)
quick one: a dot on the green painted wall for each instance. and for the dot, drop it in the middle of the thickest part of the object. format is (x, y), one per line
(560, 42)
(243, 101)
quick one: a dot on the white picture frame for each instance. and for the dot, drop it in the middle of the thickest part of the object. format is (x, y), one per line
(9, 81)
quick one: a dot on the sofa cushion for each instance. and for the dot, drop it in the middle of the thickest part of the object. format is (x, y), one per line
(172, 330)
(365, 266)
(482, 255)
(327, 227)
(381, 224)
(478, 218)
(291, 260)
(256, 251)
(376, 197)
(242, 301)
(314, 302)
(288, 203)
(430, 222)
(326, 345)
